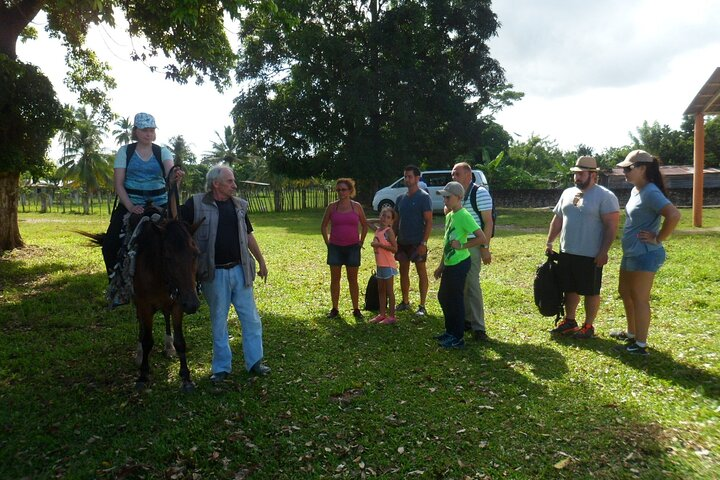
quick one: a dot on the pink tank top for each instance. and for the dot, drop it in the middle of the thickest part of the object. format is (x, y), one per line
(383, 257)
(344, 228)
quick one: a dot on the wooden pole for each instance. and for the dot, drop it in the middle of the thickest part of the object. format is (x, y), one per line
(699, 164)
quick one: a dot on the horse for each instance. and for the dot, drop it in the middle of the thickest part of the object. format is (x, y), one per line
(165, 280)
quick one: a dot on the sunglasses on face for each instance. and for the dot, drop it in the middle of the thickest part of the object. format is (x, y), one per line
(341, 189)
(629, 168)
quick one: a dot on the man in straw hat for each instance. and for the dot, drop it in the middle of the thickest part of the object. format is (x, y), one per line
(586, 218)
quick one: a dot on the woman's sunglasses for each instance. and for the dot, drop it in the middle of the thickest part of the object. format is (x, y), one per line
(629, 168)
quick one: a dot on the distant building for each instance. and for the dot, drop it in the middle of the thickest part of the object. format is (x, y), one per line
(676, 177)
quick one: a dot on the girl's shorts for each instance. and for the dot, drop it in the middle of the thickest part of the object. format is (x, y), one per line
(383, 273)
(647, 262)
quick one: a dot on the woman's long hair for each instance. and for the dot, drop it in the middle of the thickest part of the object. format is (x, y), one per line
(653, 174)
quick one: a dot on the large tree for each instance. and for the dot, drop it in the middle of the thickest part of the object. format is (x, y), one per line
(363, 87)
(191, 34)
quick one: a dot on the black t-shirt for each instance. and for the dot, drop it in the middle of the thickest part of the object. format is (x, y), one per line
(227, 242)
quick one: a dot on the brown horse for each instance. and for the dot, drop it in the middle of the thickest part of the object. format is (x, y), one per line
(164, 279)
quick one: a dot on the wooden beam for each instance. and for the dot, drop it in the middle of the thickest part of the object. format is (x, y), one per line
(699, 164)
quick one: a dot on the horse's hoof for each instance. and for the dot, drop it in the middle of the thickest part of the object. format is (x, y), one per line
(140, 386)
(188, 387)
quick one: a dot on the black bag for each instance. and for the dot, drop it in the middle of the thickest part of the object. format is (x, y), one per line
(473, 203)
(549, 296)
(372, 300)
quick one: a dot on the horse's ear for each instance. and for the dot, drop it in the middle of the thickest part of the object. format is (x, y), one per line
(159, 227)
(196, 225)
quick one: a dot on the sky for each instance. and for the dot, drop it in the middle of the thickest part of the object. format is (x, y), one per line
(591, 72)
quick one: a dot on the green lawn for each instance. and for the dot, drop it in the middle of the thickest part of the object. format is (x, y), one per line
(351, 400)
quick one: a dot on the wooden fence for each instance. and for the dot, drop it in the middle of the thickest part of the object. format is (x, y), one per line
(261, 198)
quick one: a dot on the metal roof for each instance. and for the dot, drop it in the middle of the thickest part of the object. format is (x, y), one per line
(707, 100)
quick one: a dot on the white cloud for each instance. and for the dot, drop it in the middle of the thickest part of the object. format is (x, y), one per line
(594, 71)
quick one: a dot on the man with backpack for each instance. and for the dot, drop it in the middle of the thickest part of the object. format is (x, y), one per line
(479, 204)
(586, 219)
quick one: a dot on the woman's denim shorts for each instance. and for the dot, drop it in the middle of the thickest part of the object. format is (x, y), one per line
(647, 262)
(383, 273)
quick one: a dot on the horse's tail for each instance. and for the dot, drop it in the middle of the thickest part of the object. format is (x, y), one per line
(96, 238)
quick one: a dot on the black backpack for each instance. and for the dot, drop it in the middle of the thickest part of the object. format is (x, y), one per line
(473, 202)
(372, 300)
(549, 296)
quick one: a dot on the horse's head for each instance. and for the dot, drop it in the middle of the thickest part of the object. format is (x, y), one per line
(180, 256)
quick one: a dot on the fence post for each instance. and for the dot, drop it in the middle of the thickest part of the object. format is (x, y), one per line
(278, 200)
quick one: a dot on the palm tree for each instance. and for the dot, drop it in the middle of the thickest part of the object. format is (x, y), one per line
(123, 132)
(181, 151)
(82, 159)
(225, 150)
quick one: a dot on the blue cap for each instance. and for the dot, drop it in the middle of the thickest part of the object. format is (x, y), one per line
(144, 120)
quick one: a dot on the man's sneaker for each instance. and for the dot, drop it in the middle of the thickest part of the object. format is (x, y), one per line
(388, 320)
(260, 369)
(402, 307)
(377, 318)
(452, 342)
(622, 335)
(441, 336)
(421, 312)
(480, 336)
(219, 377)
(358, 314)
(566, 327)
(587, 331)
(635, 349)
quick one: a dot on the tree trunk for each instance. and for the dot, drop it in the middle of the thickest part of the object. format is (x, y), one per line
(9, 231)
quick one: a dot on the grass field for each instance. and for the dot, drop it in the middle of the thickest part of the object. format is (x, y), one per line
(351, 400)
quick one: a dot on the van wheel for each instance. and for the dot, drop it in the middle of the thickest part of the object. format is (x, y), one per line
(385, 203)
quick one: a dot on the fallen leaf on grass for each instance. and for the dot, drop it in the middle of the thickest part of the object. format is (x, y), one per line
(562, 463)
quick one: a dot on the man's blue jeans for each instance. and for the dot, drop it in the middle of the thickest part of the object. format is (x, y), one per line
(227, 288)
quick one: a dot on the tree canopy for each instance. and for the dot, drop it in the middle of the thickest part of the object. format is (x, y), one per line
(362, 88)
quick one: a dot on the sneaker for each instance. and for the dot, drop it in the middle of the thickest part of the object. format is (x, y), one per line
(402, 306)
(452, 342)
(219, 377)
(622, 335)
(378, 318)
(357, 314)
(441, 336)
(587, 331)
(468, 326)
(421, 312)
(388, 320)
(260, 369)
(566, 327)
(480, 336)
(333, 313)
(635, 349)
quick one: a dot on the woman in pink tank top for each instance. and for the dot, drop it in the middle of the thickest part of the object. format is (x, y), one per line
(344, 241)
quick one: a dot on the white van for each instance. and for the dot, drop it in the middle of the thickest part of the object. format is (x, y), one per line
(434, 179)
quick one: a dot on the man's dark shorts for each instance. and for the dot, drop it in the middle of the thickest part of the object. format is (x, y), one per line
(348, 255)
(579, 274)
(408, 253)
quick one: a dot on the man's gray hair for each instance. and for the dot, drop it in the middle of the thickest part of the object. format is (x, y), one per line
(213, 174)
